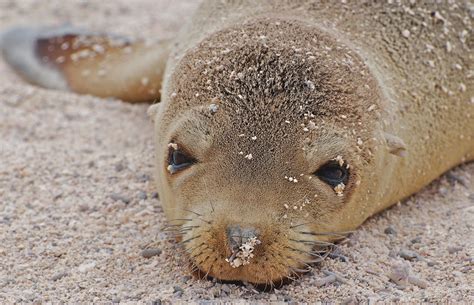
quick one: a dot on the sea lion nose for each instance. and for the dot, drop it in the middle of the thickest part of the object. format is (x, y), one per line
(237, 236)
(241, 242)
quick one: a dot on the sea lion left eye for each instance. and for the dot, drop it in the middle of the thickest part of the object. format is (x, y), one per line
(178, 160)
(332, 173)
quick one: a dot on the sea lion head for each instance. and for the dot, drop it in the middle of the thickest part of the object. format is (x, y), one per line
(265, 143)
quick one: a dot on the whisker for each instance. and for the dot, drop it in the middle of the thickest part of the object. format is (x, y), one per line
(171, 225)
(181, 219)
(171, 235)
(198, 254)
(190, 227)
(339, 234)
(312, 242)
(189, 251)
(208, 195)
(179, 228)
(210, 267)
(315, 261)
(301, 270)
(311, 253)
(202, 262)
(193, 248)
(190, 239)
(292, 274)
(295, 259)
(199, 216)
(184, 230)
(299, 225)
(196, 213)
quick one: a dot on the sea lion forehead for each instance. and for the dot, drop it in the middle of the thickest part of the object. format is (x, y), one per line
(283, 82)
(274, 65)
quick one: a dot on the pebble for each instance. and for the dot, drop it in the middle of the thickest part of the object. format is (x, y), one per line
(350, 301)
(417, 281)
(216, 292)
(142, 195)
(325, 280)
(83, 207)
(390, 230)
(59, 276)
(86, 267)
(143, 178)
(466, 269)
(226, 288)
(457, 273)
(29, 295)
(148, 253)
(399, 273)
(431, 263)
(408, 254)
(454, 249)
(118, 197)
(119, 167)
(287, 299)
(178, 291)
(338, 256)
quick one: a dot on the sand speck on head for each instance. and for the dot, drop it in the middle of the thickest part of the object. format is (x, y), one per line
(244, 254)
(339, 189)
(213, 108)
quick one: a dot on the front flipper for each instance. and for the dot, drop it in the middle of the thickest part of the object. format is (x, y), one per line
(89, 63)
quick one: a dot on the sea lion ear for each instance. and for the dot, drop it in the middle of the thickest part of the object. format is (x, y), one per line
(395, 145)
(152, 111)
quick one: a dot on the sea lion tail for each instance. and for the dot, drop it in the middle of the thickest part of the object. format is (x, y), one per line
(103, 65)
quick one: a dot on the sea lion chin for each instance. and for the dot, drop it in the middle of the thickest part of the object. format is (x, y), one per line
(266, 139)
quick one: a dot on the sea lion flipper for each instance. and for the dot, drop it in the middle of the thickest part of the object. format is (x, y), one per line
(104, 65)
(396, 145)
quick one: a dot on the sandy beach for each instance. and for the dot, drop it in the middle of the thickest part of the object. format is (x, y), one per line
(78, 204)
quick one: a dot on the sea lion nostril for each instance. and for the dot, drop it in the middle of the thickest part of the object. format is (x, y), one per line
(241, 242)
(236, 235)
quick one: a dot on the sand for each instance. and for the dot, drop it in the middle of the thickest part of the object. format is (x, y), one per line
(78, 204)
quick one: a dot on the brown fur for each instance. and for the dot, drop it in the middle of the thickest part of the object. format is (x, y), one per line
(377, 84)
(372, 91)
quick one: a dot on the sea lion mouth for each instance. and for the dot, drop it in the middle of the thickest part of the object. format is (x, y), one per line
(242, 253)
(281, 269)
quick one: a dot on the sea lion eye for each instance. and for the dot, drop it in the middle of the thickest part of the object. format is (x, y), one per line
(178, 160)
(333, 173)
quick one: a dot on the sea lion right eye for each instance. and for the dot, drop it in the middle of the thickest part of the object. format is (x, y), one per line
(178, 160)
(333, 173)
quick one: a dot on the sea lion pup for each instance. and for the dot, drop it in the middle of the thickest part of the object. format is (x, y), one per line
(284, 123)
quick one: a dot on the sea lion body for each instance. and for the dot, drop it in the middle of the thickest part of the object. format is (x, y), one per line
(417, 96)
(287, 123)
